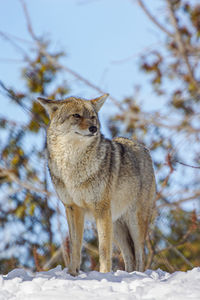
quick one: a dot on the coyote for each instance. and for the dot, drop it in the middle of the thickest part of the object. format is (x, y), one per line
(112, 180)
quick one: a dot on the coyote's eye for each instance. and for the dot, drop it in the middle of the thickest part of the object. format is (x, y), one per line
(77, 116)
(93, 117)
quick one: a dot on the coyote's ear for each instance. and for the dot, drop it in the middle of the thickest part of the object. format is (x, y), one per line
(98, 102)
(49, 105)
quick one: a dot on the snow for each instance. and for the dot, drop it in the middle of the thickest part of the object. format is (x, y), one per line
(56, 284)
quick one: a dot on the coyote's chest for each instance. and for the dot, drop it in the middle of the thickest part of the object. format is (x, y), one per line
(74, 174)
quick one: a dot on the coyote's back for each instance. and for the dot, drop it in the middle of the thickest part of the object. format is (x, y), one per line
(111, 179)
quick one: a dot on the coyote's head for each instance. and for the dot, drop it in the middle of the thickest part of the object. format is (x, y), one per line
(74, 115)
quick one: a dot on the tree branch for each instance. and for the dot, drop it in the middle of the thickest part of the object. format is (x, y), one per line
(29, 25)
(14, 44)
(153, 19)
(177, 252)
(10, 175)
(55, 63)
(186, 165)
(193, 197)
(180, 42)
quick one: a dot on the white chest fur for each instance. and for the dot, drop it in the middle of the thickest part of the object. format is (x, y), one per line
(76, 168)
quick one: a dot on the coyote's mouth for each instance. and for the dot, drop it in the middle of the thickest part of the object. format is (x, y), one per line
(90, 134)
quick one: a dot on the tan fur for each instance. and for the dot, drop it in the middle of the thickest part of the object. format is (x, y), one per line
(111, 180)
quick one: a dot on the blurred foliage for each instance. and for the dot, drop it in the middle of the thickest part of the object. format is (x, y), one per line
(181, 248)
(26, 209)
(28, 236)
(174, 72)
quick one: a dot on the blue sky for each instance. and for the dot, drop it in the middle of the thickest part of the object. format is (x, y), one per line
(97, 35)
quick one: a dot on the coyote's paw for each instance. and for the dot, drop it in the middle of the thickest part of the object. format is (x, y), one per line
(73, 271)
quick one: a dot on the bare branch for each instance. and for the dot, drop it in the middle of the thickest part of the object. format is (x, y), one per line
(132, 56)
(62, 252)
(186, 165)
(189, 198)
(53, 61)
(10, 174)
(28, 20)
(12, 123)
(53, 259)
(162, 259)
(153, 19)
(178, 252)
(14, 44)
(56, 256)
(180, 42)
(91, 248)
(181, 242)
(80, 77)
(20, 39)
(151, 253)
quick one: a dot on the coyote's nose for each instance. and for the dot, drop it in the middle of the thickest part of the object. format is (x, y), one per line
(93, 129)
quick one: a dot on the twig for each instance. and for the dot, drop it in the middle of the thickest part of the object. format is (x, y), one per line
(20, 49)
(163, 259)
(58, 254)
(56, 64)
(181, 242)
(186, 165)
(91, 248)
(166, 180)
(53, 259)
(144, 50)
(7, 195)
(177, 252)
(151, 253)
(12, 123)
(29, 25)
(22, 105)
(10, 174)
(181, 200)
(180, 42)
(36, 259)
(81, 78)
(153, 19)
(12, 36)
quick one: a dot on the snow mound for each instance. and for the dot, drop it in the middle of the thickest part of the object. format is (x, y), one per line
(56, 284)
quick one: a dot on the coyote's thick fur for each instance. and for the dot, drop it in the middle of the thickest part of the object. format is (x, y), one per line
(113, 180)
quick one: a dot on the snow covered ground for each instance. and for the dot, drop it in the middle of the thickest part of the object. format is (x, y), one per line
(56, 284)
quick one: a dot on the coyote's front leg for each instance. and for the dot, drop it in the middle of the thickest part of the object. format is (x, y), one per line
(104, 229)
(75, 218)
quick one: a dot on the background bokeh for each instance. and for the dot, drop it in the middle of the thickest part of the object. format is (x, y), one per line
(146, 56)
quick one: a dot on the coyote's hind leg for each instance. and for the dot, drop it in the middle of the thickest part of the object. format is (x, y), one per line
(123, 239)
